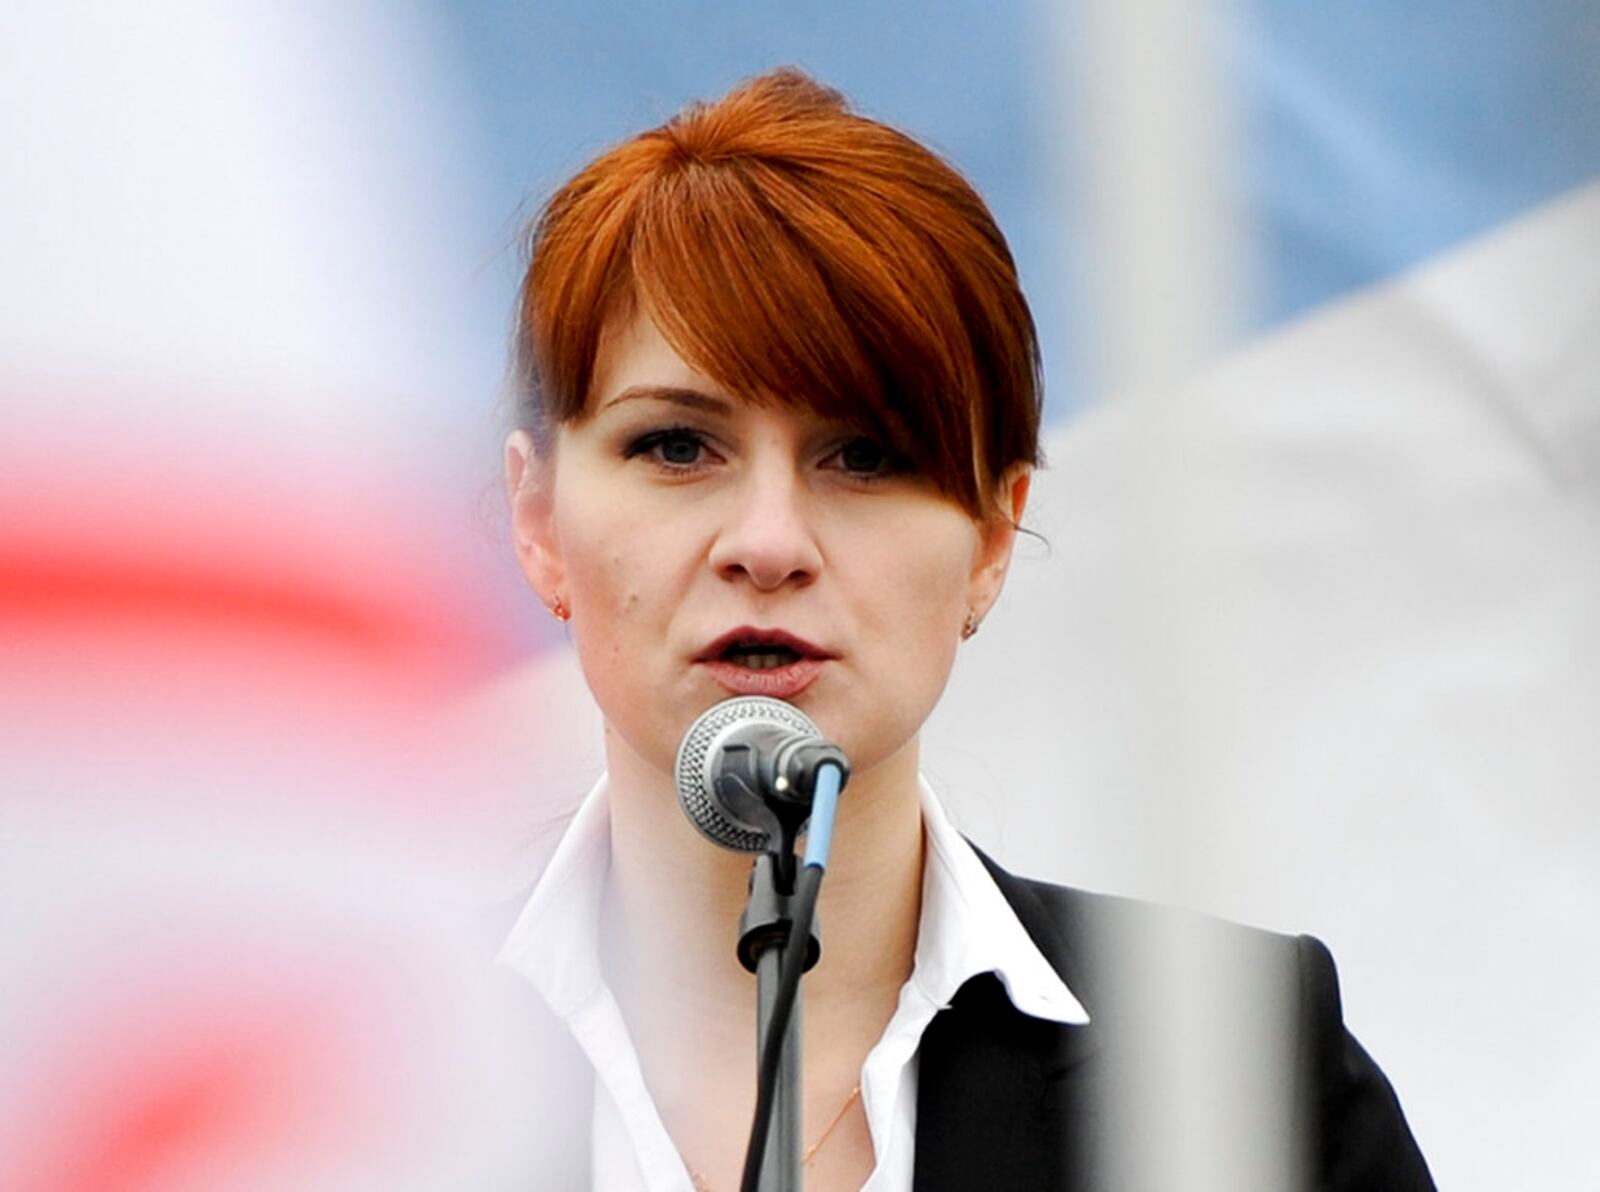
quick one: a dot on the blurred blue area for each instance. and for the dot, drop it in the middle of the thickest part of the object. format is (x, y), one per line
(1377, 133)
(1381, 133)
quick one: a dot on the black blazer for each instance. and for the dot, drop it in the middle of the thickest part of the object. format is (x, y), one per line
(1005, 1101)
(1009, 1101)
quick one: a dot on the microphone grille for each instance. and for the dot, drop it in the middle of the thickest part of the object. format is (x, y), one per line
(692, 772)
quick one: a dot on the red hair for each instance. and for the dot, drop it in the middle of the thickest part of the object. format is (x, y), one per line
(794, 251)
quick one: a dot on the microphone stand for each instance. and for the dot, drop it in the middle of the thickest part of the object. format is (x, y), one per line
(763, 931)
(751, 774)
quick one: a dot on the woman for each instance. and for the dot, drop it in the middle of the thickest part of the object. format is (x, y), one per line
(779, 411)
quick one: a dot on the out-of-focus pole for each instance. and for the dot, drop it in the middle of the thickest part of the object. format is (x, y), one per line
(1152, 131)
(1150, 138)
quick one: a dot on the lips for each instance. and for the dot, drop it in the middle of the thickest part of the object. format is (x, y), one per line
(771, 662)
(747, 640)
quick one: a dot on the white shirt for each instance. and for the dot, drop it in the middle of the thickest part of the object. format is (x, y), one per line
(966, 928)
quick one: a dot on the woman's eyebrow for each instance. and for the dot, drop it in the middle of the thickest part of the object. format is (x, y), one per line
(677, 395)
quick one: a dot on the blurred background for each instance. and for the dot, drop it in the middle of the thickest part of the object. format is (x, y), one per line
(1312, 638)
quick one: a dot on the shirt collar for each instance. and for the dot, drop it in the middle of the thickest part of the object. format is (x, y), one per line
(555, 943)
(967, 927)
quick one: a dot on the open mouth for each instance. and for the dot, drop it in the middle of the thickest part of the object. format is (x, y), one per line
(757, 660)
(752, 648)
(759, 655)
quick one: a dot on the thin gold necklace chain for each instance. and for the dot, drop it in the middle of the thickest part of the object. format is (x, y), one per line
(701, 1184)
(805, 1159)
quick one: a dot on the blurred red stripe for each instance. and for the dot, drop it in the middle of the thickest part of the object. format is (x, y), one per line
(41, 586)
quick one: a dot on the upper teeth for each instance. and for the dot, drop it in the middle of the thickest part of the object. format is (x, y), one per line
(763, 658)
(763, 661)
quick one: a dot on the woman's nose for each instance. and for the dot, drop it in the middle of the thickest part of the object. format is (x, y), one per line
(769, 538)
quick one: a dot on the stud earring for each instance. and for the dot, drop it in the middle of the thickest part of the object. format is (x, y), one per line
(559, 611)
(970, 626)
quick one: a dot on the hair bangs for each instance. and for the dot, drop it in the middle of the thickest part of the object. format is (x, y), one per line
(794, 252)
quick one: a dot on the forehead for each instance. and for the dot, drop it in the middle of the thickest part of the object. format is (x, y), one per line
(632, 351)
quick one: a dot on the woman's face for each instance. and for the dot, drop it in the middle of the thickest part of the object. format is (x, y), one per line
(708, 546)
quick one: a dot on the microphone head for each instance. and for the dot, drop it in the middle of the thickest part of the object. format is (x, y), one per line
(741, 825)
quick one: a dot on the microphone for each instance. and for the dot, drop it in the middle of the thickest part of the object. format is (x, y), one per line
(747, 770)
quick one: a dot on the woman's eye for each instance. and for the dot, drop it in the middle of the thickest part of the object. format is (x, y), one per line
(864, 457)
(676, 448)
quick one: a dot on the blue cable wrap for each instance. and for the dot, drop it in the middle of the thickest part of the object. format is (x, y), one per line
(824, 803)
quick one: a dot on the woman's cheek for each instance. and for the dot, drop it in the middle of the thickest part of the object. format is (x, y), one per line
(933, 574)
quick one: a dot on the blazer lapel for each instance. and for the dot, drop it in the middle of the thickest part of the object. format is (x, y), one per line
(994, 1088)
(1005, 1100)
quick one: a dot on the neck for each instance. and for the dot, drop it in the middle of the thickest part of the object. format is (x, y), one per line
(673, 906)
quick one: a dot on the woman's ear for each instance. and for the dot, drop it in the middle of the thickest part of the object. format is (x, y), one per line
(530, 489)
(997, 536)
(1013, 494)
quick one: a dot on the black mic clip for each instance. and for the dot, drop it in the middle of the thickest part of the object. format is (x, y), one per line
(770, 774)
(767, 918)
